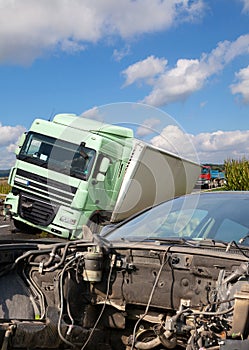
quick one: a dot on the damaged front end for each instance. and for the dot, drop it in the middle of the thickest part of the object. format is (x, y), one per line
(148, 295)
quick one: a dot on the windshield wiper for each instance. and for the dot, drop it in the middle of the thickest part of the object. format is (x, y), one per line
(33, 160)
(244, 239)
(156, 240)
(176, 240)
(22, 157)
(208, 241)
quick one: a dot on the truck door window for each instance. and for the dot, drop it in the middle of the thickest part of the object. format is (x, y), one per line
(82, 163)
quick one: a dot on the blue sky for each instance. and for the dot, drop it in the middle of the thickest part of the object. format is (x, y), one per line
(187, 60)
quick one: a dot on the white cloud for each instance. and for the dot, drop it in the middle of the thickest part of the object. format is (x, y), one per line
(129, 18)
(7, 158)
(188, 76)
(236, 48)
(221, 145)
(242, 86)
(212, 147)
(148, 127)
(30, 28)
(93, 113)
(246, 5)
(145, 69)
(10, 134)
(118, 55)
(175, 140)
(178, 83)
(8, 144)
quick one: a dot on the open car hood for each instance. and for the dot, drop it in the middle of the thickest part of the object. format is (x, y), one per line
(123, 295)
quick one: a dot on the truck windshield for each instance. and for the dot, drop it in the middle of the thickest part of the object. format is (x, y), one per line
(58, 155)
(204, 170)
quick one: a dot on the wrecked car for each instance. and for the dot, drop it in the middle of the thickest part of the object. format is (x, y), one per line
(176, 276)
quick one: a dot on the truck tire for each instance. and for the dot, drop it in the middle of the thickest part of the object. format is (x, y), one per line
(212, 184)
(21, 226)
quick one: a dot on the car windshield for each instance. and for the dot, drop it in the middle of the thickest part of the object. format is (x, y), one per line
(61, 156)
(217, 216)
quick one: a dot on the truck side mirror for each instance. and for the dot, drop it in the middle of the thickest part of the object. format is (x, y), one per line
(20, 142)
(105, 162)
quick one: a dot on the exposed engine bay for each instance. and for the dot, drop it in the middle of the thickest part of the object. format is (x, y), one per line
(98, 295)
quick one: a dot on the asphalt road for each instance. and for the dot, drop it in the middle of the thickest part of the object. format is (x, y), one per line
(8, 230)
(4, 223)
(6, 227)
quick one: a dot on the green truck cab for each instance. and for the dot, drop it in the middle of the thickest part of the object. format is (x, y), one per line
(72, 171)
(51, 191)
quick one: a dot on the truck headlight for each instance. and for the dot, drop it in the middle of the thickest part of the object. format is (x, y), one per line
(68, 220)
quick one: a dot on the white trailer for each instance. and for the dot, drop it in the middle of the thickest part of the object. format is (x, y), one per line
(152, 176)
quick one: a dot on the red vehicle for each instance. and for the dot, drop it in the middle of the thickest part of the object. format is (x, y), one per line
(209, 178)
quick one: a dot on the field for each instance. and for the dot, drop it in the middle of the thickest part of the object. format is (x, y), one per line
(237, 174)
(4, 187)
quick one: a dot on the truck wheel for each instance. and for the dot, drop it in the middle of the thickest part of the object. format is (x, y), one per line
(211, 185)
(21, 226)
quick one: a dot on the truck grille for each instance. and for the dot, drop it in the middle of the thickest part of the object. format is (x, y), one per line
(40, 197)
(35, 210)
